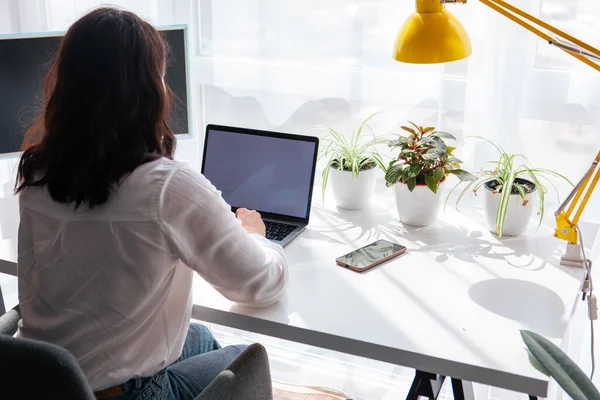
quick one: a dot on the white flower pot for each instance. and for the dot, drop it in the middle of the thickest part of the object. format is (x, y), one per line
(350, 192)
(419, 207)
(517, 214)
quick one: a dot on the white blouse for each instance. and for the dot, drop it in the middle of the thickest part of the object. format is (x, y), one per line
(113, 284)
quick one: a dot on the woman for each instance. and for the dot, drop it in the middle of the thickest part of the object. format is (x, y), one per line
(112, 228)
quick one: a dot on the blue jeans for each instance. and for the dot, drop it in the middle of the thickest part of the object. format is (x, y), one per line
(201, 361)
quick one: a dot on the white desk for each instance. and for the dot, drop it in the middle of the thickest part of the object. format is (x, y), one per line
(453, 305)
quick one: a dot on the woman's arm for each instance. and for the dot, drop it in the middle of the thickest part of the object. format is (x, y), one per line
(245, 268)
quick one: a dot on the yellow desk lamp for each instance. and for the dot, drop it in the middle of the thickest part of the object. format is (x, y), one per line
(567, 215)
(433, 35)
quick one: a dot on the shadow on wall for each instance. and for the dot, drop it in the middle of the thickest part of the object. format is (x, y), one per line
(247, 111)
(223, 108)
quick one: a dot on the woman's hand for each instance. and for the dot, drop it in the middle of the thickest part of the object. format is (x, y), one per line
(251, 221)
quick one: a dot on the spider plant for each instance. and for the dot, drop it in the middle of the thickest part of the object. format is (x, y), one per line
(505, 176)
(355, 153)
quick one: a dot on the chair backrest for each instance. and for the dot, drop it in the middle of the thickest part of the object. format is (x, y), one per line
(30, 369)
(248, 377)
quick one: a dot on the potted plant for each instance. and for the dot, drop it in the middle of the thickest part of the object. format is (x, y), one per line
(423, 163)
(510, 188)
(351, 165)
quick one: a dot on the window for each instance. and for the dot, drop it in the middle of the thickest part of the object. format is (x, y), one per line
(577, 18)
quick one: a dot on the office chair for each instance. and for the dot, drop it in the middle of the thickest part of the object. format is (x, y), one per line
(31, 369)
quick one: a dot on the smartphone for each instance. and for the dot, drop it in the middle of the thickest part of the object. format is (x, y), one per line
(371, 255)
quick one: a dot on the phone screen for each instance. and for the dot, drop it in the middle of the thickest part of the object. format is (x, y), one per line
(366, 256)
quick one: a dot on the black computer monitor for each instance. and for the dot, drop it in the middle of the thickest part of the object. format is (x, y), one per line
(24, 63)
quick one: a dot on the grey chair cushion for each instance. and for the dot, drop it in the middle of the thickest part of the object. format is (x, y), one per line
(9, 321)
(30, 369)
(248, 377)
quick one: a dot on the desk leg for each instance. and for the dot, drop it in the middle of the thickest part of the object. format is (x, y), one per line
(462, 390)
(533, 398)
(429, 385)
(426, 385)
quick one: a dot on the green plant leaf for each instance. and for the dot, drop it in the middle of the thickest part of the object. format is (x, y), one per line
(428, 129)
(521, 191)
(541, 195)
(438, 175)
(417, 127)
(406, 173)
(394, 173)
(453, 160)
(553, 186)
(439, 144)
(407, 129)
(425, 141)
(414, 170)
(412, 183)
(504, 202)
(452, 191)
(463, 175)
(550, 172)
(378, 160)
(325, 177)
(432, 154)
(450, 149)
(536, 364)
(401, 141)
(499, 148)
(564, 371)
(476, 185)
(358, 131)
(443, 135)
(431, 184)
(482, 182)
(462, 193)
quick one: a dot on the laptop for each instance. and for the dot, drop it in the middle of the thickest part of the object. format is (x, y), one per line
(272, 173)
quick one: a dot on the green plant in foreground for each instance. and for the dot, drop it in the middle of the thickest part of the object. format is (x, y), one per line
(555, 363)
(503, 175)
(356, 153)
(424, 158)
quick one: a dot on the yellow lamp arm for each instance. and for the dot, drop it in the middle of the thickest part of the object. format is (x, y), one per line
(569, 44)
(569, 212)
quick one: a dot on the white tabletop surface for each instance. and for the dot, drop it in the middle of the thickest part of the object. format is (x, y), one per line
(452, 305)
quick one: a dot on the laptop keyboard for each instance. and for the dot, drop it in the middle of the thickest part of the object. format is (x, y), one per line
(278, 230)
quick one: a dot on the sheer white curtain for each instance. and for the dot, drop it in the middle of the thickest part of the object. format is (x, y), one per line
(291, 65)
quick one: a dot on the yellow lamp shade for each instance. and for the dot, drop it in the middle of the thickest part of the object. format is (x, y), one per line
(432, 35)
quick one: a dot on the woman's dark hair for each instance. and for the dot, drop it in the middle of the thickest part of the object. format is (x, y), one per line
(106, 109)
